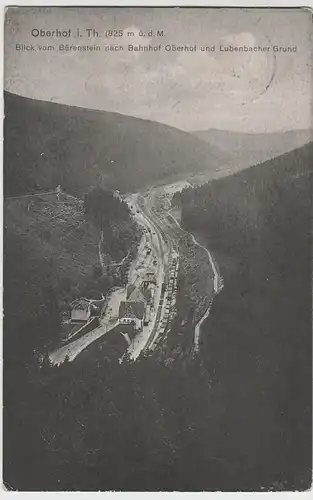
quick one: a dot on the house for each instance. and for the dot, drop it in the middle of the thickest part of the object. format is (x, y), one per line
(131, 312)
(149, 278)
(80, 311)
(134, 294)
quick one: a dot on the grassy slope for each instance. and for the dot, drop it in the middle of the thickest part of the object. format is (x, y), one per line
(47, 144)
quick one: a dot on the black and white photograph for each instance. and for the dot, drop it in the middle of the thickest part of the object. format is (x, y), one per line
(157, 261)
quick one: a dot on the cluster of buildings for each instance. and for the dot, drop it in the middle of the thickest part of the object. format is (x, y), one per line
(136, 309)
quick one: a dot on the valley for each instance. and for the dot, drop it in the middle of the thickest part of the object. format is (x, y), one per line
(157, 256)
(157, 327)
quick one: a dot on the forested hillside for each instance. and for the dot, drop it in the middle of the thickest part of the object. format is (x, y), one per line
(257, 340)
(51, 256)
(48, 144)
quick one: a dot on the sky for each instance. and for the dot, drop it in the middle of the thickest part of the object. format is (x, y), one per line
(248, 92)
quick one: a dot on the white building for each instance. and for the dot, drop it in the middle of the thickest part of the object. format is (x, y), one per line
(80, 311)
(131, 313)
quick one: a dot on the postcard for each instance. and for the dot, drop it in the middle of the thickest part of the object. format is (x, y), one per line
(157, 249)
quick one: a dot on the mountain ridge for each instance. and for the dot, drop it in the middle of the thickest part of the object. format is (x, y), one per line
(248, 149)
(47, 144)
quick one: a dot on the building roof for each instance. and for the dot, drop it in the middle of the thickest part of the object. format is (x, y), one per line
(131, 309)
(135, 294)
(81, 304)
